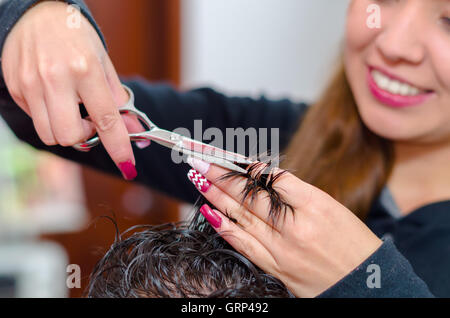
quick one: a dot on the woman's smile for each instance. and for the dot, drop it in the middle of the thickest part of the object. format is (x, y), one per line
(399, 72)
(392, 91)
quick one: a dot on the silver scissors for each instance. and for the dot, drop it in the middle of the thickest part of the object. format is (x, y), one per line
(176, 142)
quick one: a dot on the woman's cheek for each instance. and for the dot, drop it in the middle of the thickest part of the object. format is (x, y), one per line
(359, 46)
(358, 34)
(440, 55)
(441, 58)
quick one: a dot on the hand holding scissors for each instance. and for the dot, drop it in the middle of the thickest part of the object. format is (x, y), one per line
(174, 141)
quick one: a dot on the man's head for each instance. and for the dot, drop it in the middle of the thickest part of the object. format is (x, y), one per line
(177, 261)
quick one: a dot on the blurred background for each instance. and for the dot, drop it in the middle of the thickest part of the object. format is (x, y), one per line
(51, 209)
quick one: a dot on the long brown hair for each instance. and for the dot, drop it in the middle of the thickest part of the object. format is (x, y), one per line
(334, 151)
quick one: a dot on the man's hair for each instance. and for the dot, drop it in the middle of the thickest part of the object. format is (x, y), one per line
(187, 259)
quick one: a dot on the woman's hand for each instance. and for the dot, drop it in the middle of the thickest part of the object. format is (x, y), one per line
(309, 249)
(50, 67)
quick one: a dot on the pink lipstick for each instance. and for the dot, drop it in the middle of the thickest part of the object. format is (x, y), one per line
(395, 100)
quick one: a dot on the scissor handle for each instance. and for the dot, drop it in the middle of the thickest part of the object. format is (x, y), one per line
(128, 108)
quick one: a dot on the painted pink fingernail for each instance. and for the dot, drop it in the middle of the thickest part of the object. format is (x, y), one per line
(199, 165)
(128, 170)
(212, 217)
(143, 144)
(198, 180)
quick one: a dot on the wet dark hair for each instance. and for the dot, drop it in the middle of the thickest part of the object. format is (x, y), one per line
(187, 259)
(261, 178)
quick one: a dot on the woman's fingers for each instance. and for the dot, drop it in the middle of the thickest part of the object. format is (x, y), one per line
(96, 95)
(14, 86)
(63, 109)
(121, 97)
(233, 209)
(241, 240)
(235, 187)
(38, 112)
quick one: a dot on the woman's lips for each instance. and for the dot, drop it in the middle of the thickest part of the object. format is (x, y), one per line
(394, 100)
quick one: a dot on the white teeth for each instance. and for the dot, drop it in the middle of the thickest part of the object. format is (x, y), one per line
(404, 89)
(414, 91)
(394, 86)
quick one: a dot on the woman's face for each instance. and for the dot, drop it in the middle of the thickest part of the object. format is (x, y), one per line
(400, 72)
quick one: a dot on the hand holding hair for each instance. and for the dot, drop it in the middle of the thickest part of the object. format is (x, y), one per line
(303, 237)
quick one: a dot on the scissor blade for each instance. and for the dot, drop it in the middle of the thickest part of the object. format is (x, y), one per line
(217, 161)
(163, 137)
(194, 148)
(215, 155)
(171, 140)
(224, 163)
(211, 151)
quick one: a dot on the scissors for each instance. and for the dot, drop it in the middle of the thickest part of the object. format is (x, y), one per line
(176, 142)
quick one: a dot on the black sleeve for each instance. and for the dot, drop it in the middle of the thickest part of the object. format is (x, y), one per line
(385, 274)
(12, 10)
(171, 109)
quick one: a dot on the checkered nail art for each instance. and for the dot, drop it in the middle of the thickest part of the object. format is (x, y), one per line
(198, 180)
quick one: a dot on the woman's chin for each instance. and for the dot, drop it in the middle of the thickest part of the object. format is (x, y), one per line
(388, 124)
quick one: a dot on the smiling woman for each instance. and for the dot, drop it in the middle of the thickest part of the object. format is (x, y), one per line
(388, 99)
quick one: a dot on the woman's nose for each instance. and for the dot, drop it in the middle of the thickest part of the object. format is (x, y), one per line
(401, 36)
